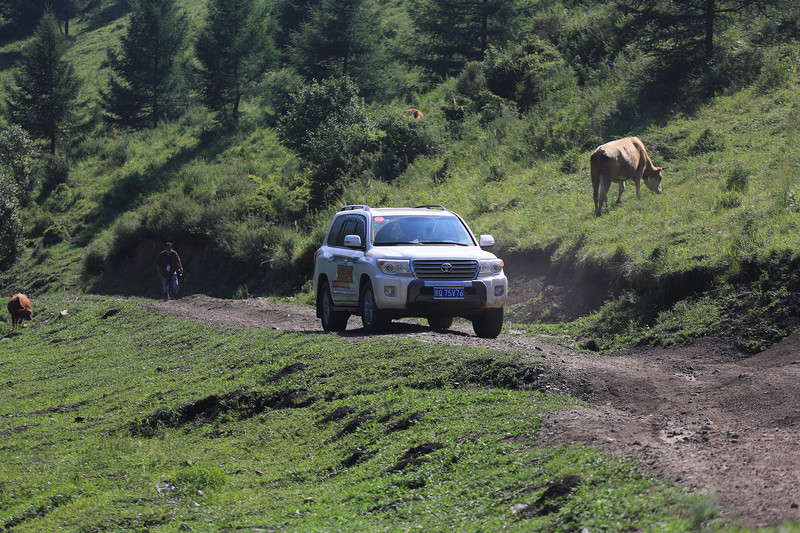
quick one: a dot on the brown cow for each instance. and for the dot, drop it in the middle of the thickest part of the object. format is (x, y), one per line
(20, 308)
(620, 160)
(416, 113)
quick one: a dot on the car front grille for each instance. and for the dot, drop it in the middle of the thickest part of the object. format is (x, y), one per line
(445, 270)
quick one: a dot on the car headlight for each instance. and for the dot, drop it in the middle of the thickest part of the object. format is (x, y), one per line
(491, 267)
(395, 267)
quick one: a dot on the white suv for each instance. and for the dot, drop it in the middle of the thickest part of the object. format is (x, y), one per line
(423, 261)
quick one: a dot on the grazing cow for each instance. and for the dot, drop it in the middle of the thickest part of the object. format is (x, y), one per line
(20, 308)
(620, 160)
(416, 113)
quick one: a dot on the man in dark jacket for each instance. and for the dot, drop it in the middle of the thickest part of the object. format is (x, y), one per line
(168, 267)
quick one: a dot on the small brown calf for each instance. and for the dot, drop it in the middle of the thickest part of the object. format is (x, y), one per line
(20, 308)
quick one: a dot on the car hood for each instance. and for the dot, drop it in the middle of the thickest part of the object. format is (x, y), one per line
(429, 252)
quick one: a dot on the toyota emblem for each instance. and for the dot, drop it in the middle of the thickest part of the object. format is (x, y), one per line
(447, 267)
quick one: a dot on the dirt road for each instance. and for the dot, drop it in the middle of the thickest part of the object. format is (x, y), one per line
(708, 417)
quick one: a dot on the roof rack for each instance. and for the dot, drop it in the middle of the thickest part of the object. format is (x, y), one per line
(431, 206)
(354, 207)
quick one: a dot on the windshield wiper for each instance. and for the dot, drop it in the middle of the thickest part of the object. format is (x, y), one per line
(445, 242)
(393, 243)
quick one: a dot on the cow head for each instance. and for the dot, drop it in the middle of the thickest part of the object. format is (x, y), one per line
(25, 314)
(653, 180)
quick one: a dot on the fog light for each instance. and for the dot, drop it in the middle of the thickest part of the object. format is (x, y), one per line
(499, 290)
(388, 290)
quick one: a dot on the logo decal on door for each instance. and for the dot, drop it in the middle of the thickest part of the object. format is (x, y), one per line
(344, 276)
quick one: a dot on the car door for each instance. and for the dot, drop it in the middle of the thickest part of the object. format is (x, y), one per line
(344, 288)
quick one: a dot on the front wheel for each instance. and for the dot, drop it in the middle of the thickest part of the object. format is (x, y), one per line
(373, 319)
(488, 324)
(331, 320)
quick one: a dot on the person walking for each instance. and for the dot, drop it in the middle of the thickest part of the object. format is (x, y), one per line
(168, 267)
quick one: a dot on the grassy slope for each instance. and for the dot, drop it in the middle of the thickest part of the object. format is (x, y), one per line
(533, 203)
(493, 176)
(294, 432)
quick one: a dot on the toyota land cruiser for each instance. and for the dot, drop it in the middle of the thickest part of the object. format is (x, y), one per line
(386, 263)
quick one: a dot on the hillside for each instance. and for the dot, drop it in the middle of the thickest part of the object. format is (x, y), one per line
(714, 254)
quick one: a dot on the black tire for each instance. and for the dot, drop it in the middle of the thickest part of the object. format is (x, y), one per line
(488, 324)
(373, 319)
(331, 320)
(440, 323)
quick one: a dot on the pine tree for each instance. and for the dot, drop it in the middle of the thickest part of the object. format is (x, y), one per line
(44, 96)
(336, 40)
(289, 15)
(25, 14)
(233, 51)
(145, 75)
(457, 31)
(681, 29)
(22, 15)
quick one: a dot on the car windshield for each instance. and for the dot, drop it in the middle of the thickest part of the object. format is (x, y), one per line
(399, 230)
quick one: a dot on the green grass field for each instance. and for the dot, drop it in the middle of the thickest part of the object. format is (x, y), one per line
(115, 418)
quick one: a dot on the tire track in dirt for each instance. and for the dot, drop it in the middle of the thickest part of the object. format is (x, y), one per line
(705, 416)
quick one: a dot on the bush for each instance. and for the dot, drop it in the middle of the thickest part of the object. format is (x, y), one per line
(54, 235)
(16, 160)
(733, 66)
(571, 162)
(9, 223)
(194, 478)
(277, 90)
(402, 139)
(471, 95)
(527, 73)
(779, 68)
(328, 125)
(50, 172)
(94, 260)
(37, 221)
(61, 199)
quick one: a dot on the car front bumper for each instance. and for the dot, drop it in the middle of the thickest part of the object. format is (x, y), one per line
(415, 297)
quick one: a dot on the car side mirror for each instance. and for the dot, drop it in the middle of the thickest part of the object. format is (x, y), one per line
(352, 241)
(486, 241)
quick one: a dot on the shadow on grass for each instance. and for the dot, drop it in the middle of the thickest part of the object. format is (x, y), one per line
(131, 189)
(105, 16)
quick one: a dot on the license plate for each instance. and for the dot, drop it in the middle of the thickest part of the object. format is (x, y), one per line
(448, 293)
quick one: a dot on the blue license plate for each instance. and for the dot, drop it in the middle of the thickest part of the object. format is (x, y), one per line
(448, 293)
